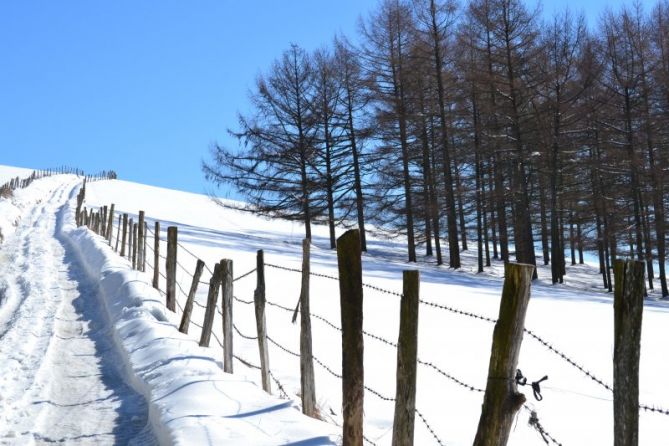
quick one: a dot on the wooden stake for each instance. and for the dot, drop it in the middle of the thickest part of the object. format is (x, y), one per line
(307, 380)
(171, 268)
(628, 313)
(226, 285)
(350, 290)
(259, 303)
(156, 256)
(210, 312)
(140, 242)
(135, 230)
(188, 308)
(118, 232)
(125, 231)
(502, 399)
(407, 357)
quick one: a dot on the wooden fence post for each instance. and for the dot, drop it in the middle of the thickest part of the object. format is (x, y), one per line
(210, 312)
(171, 268)
(118, 232)
(156, 256)
(188, 308)
(502, 399)
(144, 247)
(125, 231)
(135, 230)
(307, 381)
(259, 301)
(110, 224)
(407, 357)
(350, 292)
(130, 234)
(103, 222)
(628, 312)
(226, 285)
(140, 241)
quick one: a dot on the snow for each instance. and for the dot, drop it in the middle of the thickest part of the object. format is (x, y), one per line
(189, 400)
(577, 318)
(9, 172)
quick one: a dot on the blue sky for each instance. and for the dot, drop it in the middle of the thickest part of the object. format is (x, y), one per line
(146, 87)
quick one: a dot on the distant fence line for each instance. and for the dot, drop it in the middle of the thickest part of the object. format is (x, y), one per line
(20, 183)
(131, 241)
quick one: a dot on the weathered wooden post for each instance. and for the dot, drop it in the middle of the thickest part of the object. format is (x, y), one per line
(156, 256)
(171, 268)
(628, 311)
(118, 232)
(131, 225)
(226, 285)
(188, 308)
(210, 311)
(110, 224)
(259, 303)
(103, 222)
(135, 230)
(307, 380)
(407, 357)
(125, 231)
(144, 247)
(502, 399)
(350, 291)
(140, 241)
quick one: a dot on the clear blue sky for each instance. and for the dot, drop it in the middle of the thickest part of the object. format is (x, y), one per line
(145, 87)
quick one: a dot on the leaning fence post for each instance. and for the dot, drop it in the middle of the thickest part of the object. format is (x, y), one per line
(259, 303)
(171, 268)
(156, 255)
(140, 241)
(407, 357)
(628, 311)
(210, 312)
(306, 354)
(226, 285)
(350, 292)
(502, 399)
(110, 224)
(188, 308)
(125, 231)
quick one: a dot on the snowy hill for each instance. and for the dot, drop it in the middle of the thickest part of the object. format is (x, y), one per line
(188, 397)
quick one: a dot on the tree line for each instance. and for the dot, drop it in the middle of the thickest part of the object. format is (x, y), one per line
(474, 124)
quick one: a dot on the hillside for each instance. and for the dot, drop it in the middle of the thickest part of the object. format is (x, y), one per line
(189, 398)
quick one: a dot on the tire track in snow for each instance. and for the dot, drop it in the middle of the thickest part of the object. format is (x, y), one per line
(59, 372)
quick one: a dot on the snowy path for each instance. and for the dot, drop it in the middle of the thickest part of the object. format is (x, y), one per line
(60, 376)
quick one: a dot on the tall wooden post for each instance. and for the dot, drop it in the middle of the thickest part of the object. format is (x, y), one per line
(125, 232)
(140, 241)
(306, 354)
(156, 256)
(259, 301)
(502, 399)
(407, 357)
(118, 232)
(350, 291)
(628, 311)
(171, 268)
(210, 311)
(188, 308)
(226, 285)
(110, 224)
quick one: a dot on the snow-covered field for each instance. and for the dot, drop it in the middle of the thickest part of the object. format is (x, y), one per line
(187, 395)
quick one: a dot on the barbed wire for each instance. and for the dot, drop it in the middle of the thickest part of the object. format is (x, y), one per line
(534, 422)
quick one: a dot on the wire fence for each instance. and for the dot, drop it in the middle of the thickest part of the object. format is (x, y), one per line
(533, 417)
